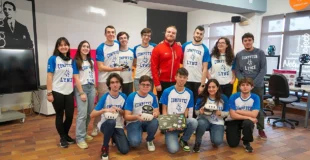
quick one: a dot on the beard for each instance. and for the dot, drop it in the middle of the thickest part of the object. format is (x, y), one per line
(168, 40)
(197, 40)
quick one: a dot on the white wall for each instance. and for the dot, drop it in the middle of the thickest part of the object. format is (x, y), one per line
(201, 17)
(72, 19)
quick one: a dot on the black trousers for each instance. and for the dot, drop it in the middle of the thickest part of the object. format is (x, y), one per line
(226, 89)
(127, 88)
(233, 131)
(164, 85)
(63, 104)
(193, 86)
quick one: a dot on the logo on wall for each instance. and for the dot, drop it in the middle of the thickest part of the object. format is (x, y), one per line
(299, 4)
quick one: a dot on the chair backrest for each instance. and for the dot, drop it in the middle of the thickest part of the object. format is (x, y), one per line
(278, 86)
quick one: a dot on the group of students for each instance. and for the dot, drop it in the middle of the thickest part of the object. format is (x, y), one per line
(179, 90)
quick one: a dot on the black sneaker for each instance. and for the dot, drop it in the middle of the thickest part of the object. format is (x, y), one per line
(248, 147)
(184, 145)
(70, 140)
(104, 153)
(63, 142)
(196, 147)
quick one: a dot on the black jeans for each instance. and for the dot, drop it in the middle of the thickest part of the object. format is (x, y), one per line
(193, 86)
(233, 131)
(226, 89)
(63, 104)
(164, 85)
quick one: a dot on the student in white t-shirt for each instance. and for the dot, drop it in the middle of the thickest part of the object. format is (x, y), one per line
(85, 92)
(136, 125)
(244, 108)
(107, 56)
(112, 102)
(178, 99)
(142, 55)
(211, 120)
(125, 58)
(196, 59)
(222, 65)
(60, 89)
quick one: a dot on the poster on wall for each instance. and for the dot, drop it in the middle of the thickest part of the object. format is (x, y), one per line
(17, 24)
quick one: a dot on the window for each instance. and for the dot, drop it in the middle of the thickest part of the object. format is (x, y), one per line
(290, 34)
(216, 30)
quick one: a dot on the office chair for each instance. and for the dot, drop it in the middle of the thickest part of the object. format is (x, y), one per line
(269, 109)
(278, 87)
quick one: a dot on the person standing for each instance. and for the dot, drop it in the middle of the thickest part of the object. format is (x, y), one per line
(60, 89)
(251, 62)
(165, 61)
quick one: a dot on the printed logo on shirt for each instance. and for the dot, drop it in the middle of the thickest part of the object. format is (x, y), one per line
(142, 104)
(116, 105)
(179, 108)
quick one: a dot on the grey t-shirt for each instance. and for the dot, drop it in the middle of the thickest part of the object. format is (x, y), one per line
(251, 64)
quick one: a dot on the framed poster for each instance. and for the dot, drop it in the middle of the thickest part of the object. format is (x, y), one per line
(18, 26)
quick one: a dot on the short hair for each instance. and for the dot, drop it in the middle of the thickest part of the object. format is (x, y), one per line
(10, 3)
(117, 76)
(109, 26)
(146, 30)
(182, 71)
(248, 35)
(172, 27)
(247, 80)
(122, 33)
(145, 78)
(200, 28)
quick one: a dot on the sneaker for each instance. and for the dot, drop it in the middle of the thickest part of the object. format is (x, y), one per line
(94, 132)
(196, 147)
(63, 142)
(247, 147)
(88, 138)
(184, 145)
(150, 146)
(262, 134)
(82, 145)
(104, 153)
(70, 140)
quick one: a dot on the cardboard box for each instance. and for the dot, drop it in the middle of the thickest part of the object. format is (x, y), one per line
(175, 121)
(289, 74)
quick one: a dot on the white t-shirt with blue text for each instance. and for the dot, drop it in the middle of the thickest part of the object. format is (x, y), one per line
(126, 57)
(86, 74)
(143, 56)
(219, 69)
(109, 55)
(107, 101)
(62, 75)
(177, 102)
(222, 106)
(135, 102)
(194, 57)
(236, 102)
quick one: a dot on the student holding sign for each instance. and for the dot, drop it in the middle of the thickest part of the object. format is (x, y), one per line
(178, 99)
(211, 108)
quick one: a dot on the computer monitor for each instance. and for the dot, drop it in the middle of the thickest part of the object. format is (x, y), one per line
(272, 63)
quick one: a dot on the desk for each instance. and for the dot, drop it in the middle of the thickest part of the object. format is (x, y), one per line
(299, 89)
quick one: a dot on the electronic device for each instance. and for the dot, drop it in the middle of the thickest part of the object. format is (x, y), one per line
(237, 19)
(147, 113)
(271, 50)
(175, 121)
(17, 71)
(272, 63)
(209, 108)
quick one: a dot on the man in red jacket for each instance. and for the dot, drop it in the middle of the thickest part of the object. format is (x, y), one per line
(165, 61)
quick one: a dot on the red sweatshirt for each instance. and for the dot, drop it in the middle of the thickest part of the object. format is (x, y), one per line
(165, 61)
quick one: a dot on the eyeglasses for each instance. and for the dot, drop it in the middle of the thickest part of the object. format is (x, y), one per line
(221, 43)
(145, 35)
(145, 85)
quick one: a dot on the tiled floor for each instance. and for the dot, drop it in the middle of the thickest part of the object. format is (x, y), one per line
(37, 139)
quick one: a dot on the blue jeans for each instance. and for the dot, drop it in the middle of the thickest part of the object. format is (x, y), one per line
(135, 130)
(171, 138)
(216, 131)
(84, 110)
(117, 134)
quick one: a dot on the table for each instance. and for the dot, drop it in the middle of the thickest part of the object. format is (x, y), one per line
(307, 90)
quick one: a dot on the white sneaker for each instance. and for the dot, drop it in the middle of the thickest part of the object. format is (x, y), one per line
(150, 146)
(94, 132)
(82, 145)
(88, 138)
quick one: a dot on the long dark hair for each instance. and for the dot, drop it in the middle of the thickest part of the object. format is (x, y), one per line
(58, 42)
(229, 53)
(204, 95)
(79, 59)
